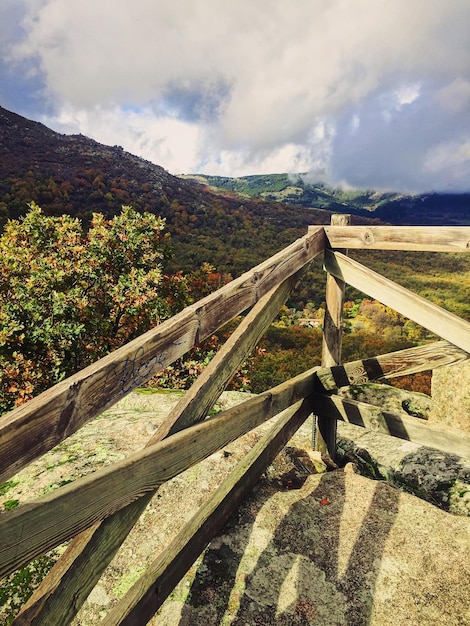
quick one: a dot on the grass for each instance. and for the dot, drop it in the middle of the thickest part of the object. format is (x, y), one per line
(148, 391)
(16, 588)
(5, 487)
(10, 504)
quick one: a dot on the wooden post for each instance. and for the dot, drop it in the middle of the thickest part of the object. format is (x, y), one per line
(324, 436)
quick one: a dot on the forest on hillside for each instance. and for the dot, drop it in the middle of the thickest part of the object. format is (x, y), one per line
(385, 206)
(80, 303)
(70, 295)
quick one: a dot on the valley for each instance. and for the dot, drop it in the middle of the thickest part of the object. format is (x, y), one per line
(229, 225)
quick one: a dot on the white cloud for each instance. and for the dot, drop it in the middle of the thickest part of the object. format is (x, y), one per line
(455, 97)
(160, 140)
(451, 162)
(238, 84)
(407, 94)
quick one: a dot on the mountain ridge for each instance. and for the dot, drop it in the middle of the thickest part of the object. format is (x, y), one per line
(451, 209)
(231, 228)
(76, 175)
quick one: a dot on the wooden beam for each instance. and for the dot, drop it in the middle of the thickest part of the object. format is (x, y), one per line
(400, 363)
(420, 238)
(197, 401)
(325, 429)
(80, 567)
(59, 598)
(396, 424)
(407, 361)
(39, 425)
(220, 307)
(34, 528)
(275, 400)
(434, 318)
(18, 548)
(333, 322)
(151, 590)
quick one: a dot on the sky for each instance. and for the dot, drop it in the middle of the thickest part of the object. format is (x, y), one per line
(356, 93)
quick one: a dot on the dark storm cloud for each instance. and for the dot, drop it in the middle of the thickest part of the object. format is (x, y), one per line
(420, 145)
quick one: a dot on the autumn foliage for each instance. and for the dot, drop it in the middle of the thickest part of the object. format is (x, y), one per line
(70, 296)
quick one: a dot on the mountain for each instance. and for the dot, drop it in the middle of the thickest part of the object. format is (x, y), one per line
(232, 223)
(396, 208)
(76, 175)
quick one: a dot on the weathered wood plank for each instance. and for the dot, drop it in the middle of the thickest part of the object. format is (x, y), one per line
(198, 400)
(36, 527)
(424, 238)
(36, 427)
(51, 604)
(396, 424)
(325, 429)
(275, 400)
(400, 363)
(215, 310)
(407, 361)
(333, 322)
(263, 406)
(434, 318)
(80, 567)
(150, 591)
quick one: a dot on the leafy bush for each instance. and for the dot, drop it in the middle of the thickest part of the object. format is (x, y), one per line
(69, 296)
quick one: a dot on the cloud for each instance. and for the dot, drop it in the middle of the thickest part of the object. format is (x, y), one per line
(407, 146)
(158, 139)
(369, 92)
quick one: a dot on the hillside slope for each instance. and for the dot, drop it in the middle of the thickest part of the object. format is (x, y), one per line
(76, 175)
(397, 208)
(232, 223)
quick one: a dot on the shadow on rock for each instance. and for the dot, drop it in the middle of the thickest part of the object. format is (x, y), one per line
(285, 558)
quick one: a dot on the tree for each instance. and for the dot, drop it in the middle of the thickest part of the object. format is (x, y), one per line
(283, 353)
(68, 297)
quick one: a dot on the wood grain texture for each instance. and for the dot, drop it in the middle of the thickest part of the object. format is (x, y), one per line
(66, 407)
(59, 598)
(396, 424)
(217, 309)
(36, 527)
(160, 578)
(18, 543)
(325, 429)
(434, 318)
(333, 322)
(391, 365)
(39, 425)
(80, 567)
(198, 400)
(419, 238)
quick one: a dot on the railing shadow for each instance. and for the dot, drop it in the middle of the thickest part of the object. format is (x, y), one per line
(308, 570)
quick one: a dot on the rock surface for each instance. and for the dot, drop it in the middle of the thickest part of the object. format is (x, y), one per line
(306, 548)
(450, 388)
(438, 477)
(390, 398)
(342, 550)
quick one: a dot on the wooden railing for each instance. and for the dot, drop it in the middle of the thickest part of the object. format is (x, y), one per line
(99, 510)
